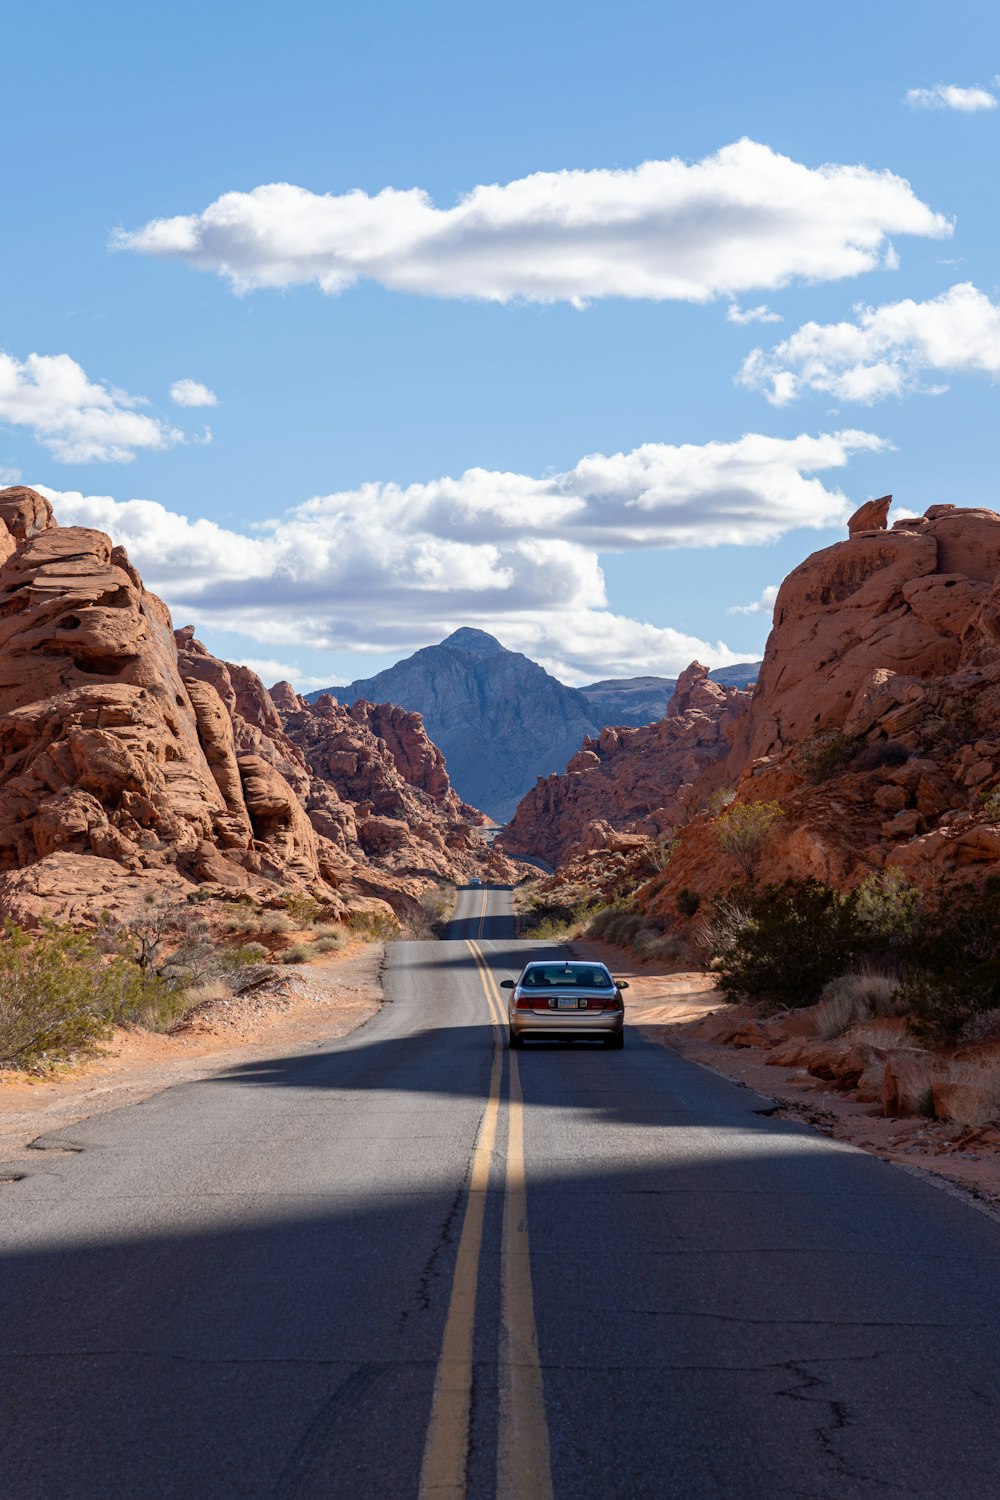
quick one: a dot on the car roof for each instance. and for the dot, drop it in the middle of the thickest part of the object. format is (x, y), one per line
(551, 963)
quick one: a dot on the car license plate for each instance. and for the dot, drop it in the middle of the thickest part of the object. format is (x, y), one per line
(567, 1002)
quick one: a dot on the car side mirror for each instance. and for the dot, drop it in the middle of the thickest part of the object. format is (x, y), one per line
(622, 984)
(506, 984)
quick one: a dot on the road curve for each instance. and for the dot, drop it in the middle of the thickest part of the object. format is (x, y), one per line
(411, 1263)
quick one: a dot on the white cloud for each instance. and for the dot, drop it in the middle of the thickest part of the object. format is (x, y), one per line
(270, 672)
(192, 393)
(743, 217)
(10, 476)
(387, 568)
(77, 420)
(884, 352)
(760, 314)
(762, 606)
(950, 96)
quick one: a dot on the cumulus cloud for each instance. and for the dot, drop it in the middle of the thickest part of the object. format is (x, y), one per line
(759, 314)
(192, 393)
(743, 217)
(762, 606)
(388, 567)
(76, 419)
(950, 96)
(886, 351)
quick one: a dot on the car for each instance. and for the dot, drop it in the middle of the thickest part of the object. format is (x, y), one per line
(475, 881)
(566, 999)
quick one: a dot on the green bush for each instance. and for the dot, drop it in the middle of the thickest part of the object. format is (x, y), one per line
(797, 937)
(827, 754)
(373, 926)
(890, 913)
(59, 994)
(687, 902)
(239, 958)
(298, 953)
(302, 909)
(744, 830)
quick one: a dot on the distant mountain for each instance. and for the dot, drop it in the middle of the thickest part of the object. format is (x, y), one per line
(501, 719)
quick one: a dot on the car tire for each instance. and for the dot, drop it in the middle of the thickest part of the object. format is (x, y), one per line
(516, 1041)
(616, 1042)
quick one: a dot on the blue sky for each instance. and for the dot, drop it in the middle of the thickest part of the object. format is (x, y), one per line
(124, 116)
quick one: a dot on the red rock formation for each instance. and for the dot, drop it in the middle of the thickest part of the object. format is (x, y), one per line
(628, 779)
(875, 718)
(875, 724)
(131, 761)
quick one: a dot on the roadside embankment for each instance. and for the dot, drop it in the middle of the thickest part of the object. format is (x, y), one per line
(860, 1087)
(315, 1003)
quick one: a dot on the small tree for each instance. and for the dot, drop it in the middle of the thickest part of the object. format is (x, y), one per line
(743, 831)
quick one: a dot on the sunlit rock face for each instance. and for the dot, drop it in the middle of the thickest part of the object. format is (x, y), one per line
(630, 778)
(133, 761)
(874, 724)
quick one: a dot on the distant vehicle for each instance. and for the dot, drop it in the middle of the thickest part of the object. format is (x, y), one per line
(475, 880)
(566, 1000)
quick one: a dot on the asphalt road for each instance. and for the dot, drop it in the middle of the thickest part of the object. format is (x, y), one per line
(371, 1270)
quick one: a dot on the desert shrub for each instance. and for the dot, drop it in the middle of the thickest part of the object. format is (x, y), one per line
(302, 909)
(984, 1026)
(744, 831)
(654, 944)
(858, 996)
(827, 754)
(298, 953)
(241, 957)
(331, 930)
(328, 944)
(990, 802)
(661, 852)
(430, 917)
(943, 1004)
(890, 912)
(716, 932)
(687, 902)
(799, 935)
(880, 753)
(274, 923)
(546, 919)
(720, 800)
(373, 926)
(59, 993)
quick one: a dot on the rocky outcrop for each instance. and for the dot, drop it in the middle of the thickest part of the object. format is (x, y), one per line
(632, 780)
(132, 761)
(874, 725)
(875, 722)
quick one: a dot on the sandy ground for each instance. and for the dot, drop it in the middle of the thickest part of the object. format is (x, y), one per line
(668, 1009)
(309, 1004)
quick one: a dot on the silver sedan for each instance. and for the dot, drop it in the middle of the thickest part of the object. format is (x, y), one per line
(556, 998)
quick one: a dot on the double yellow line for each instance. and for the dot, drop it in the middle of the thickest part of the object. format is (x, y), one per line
(524, 1470)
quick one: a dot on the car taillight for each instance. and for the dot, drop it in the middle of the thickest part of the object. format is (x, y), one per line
(523, 1002)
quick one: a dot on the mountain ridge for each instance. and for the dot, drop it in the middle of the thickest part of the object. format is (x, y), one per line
(500, 718)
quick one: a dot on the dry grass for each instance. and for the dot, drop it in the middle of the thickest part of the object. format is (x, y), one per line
(274, 922)
(977, 1101)
(855, 997)
(915, 1077)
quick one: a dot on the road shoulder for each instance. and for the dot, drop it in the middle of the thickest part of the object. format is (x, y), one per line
(674, 1010)
(316, 1003)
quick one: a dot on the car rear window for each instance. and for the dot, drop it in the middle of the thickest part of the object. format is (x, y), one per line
(577, 976)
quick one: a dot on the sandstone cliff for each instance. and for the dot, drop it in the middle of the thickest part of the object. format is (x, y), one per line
(874, 723)
(134, 762)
